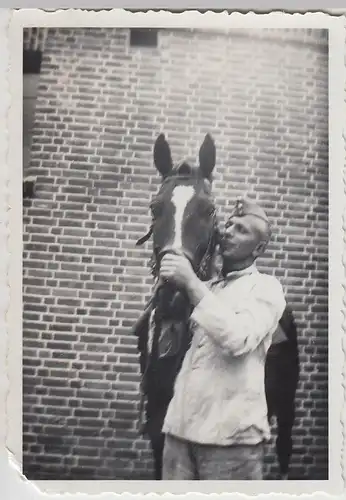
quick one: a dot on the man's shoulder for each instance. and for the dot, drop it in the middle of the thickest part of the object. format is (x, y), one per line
(266, 276)
(268, 281)
(258, 281)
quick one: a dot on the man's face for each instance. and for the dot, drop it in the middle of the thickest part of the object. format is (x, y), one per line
(241, 237)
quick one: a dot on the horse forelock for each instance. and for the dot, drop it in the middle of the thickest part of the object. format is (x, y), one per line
(184, 174)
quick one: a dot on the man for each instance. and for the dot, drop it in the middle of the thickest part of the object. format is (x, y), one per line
(216, 423)
(281, 381)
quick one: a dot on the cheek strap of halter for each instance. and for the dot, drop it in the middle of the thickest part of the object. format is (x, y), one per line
(213, 241)
(208, 255)
(145, 238)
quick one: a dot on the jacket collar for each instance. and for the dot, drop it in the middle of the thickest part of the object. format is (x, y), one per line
(234, 275)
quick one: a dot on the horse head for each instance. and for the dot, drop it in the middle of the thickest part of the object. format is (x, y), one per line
(183, 212)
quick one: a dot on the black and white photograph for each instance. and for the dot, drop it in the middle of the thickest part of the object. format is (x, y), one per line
(175, 254)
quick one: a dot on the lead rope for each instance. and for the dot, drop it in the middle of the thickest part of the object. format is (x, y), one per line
(142, 395)
(141, 417)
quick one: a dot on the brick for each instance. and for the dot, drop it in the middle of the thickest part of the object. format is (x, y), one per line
(94, 403)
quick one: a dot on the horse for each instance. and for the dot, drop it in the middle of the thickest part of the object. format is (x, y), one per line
(282, 369)
(183, 221)
(184, 201)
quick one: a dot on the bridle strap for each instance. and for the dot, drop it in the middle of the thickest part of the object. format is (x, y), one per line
(167, 179)
(209, 250)
(146, 237)
(207, 254)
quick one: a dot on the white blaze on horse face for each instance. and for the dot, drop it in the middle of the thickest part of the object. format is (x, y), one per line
(180, 197)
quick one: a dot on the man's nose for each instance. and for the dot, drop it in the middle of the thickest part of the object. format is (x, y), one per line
(228, 230)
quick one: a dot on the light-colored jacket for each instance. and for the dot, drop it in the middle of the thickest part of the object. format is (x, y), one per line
(219, 395)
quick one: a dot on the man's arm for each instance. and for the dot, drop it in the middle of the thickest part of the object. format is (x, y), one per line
(236, 331)
(239, 331)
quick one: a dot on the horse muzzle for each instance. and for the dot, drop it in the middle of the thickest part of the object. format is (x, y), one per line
(173, 302)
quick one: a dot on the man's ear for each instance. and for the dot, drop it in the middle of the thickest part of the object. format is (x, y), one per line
(260, 248)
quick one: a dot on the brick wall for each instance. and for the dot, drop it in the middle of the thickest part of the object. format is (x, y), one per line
(101, 104)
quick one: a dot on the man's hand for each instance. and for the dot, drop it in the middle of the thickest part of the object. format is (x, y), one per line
(178, 269)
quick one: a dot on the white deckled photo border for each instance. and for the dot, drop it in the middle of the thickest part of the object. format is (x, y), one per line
(12, 24)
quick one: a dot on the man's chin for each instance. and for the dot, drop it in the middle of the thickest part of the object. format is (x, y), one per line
(224, 248)
(230, 257)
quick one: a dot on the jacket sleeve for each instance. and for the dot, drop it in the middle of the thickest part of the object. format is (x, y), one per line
(239, 330)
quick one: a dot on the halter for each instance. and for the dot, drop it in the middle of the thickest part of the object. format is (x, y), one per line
(212, 239)
(202, 268)
(167, 179)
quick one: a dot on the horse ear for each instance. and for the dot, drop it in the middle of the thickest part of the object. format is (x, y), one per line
(207, 156)
(162, 156)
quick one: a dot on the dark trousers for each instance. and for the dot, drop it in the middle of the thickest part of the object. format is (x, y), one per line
(281, 380)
